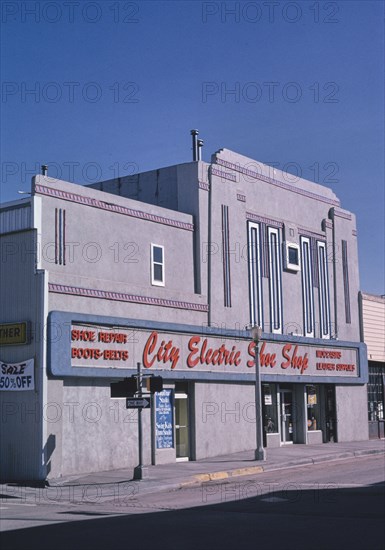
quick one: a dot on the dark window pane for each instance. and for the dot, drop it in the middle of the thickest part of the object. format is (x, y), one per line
(158, 254)
(158, 272)
(293, 255)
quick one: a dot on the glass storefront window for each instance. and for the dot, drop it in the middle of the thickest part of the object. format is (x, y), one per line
(376, 392)
(313, 408)
(269, 408)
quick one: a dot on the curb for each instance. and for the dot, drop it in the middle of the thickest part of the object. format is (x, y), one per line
(330, 458)
(364, 452)
(196, 480)
(199, 479)
(215, 476)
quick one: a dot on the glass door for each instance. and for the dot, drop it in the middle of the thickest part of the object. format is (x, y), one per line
(330, 434)
(182, 427)
(286, 409)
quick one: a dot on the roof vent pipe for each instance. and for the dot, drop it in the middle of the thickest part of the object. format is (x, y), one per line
(194, 134)
(199, 148)
(44, 169)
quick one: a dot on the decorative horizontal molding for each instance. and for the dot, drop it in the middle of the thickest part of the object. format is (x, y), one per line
(123, 297)
(241, 197)
(342, 214)
(110, 207)
(203, 185)
(354, 232)
(309, 233)
(277, 183)
(223, 175)
(262, 219)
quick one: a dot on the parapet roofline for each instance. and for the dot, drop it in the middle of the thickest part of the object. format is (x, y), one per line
(128, 176)
(227, 157)
(229, 160)
(15, 204)
(373, 297)
(81, 194)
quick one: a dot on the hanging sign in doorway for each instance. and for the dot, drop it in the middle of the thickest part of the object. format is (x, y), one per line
(164, 428)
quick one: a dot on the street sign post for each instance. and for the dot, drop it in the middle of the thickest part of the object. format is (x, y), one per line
(137, 403)
(140, 471)
(128, 388)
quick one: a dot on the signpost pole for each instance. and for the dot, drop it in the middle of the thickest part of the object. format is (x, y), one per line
(259, 453)
(140, 471)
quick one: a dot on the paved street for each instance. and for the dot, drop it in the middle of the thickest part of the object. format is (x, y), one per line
(331, 505)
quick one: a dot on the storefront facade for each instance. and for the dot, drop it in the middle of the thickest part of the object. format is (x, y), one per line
(373, 334)
(166, 269)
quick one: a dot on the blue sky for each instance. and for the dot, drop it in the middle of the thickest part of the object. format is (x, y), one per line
(97, 89)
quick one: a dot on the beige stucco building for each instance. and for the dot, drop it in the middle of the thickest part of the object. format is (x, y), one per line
(373, 334)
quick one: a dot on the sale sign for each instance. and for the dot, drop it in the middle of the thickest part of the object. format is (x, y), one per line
(17, 376)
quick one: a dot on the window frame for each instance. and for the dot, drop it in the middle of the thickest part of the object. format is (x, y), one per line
(255, 273)
(307, 287)
(275, 282)
(323, 291)
(154, 281)
(289, 266)
(226, 256)
(346, 280)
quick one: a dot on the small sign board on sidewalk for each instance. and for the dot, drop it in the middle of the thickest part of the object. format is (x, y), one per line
(138, 403)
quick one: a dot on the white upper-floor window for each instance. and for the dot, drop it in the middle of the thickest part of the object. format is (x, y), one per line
(157, 265)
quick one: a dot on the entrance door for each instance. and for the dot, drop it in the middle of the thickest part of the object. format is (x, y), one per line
(330, 434)
(181, 427)
(286, 405)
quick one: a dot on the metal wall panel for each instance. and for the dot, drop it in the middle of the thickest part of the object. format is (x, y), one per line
(23, 412)
(15, 219)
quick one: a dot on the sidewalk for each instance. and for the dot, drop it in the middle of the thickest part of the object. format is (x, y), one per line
(183, 474)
